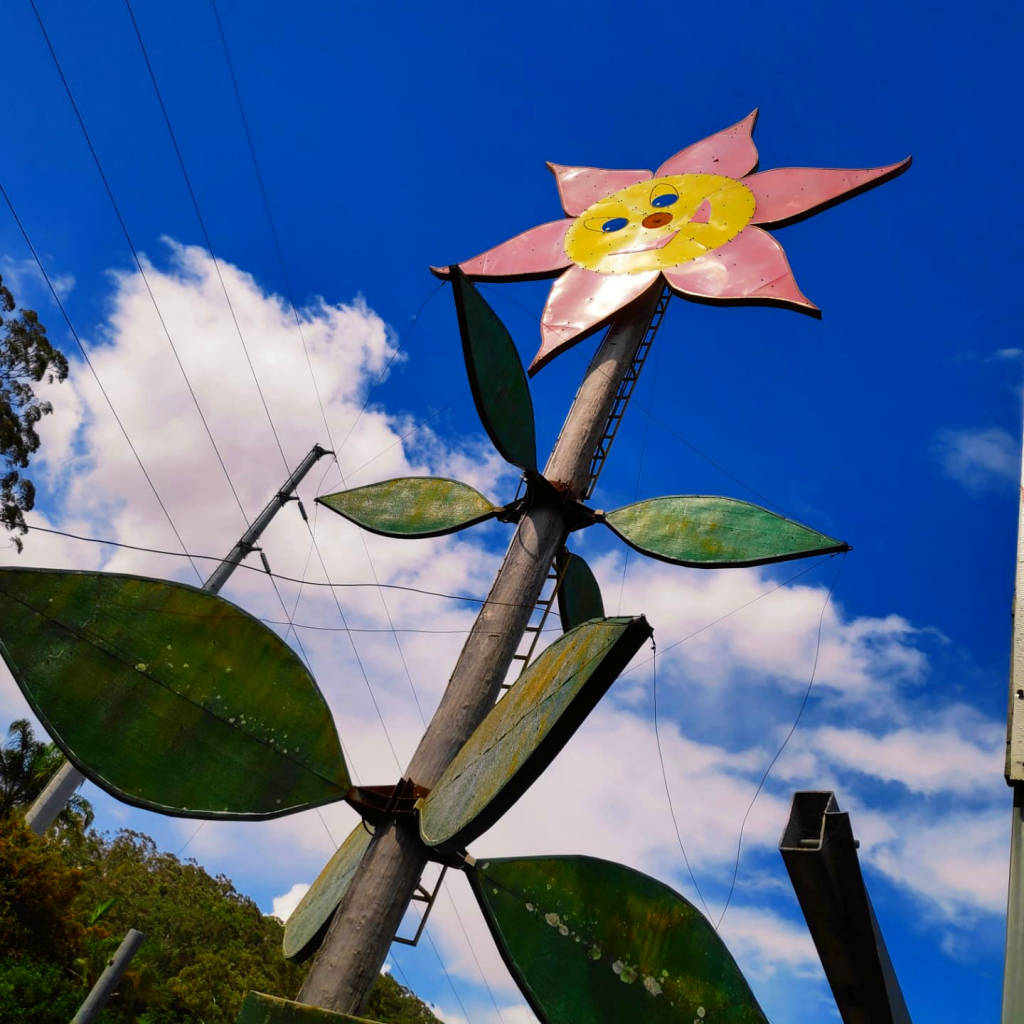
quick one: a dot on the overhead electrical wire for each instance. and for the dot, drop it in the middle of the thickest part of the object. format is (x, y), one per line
(305, 348)
(785, 742)
(135, 255)
(664, 778)
(205, 233)
(99, 383)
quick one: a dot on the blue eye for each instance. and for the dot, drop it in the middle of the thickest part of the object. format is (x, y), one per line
(665, 199)
(614, 224)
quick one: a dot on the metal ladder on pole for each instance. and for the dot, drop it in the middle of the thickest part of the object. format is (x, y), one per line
(531, 634)
(625, 392)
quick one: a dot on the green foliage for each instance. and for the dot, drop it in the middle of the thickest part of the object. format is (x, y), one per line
(37, 992)
(26, 766)
(392, 1003)
(26, 357)
(37, 890)
(206, 944)
(67, 902)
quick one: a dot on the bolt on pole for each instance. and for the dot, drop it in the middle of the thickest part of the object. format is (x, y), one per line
(43, 812)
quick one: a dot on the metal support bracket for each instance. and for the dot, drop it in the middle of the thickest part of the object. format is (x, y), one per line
(429, 898)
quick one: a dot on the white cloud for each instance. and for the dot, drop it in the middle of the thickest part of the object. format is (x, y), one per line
(726, 696)
(979, 459)
(284, 904)
(27, 284)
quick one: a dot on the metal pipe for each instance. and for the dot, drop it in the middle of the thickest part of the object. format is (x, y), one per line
(109, 979)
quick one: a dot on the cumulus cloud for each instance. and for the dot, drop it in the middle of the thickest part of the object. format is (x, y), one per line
(979, 458)
(284, 904)
(27, 284)
(736, 649)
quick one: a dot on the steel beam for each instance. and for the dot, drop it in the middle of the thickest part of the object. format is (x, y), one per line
(820, 854)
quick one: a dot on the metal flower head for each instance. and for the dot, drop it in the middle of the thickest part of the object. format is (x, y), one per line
(695, 222)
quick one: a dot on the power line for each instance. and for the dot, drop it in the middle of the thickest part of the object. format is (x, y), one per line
(202, 228)
(96, 377)
(467, 598)
(664, 777)
(135, 255)
(784, 744)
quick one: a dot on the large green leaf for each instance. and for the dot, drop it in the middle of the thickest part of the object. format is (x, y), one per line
(708, 532)
(263, 1009)
(496, 376)
(524, 731)
(579, 596)
(305, 928)
(169, 697)
(592, 942)
(412, 506)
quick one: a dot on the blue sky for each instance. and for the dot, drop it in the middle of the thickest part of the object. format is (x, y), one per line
(391, 141)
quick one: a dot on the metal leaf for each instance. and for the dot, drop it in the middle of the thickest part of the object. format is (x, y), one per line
(496, 376)
(524, 731)
(593, 942)
(708, 532)
(263, 1009)
(579, 596)
(169, 697)
(412, 506)
(305, 928)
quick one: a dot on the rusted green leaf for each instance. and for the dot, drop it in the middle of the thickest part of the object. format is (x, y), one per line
(579, 596)
(593, 942)
(305, 929)
(168, 697)
(496, 376)
(262, 1009)
(412, 506)
(707, 532)
(526, 728)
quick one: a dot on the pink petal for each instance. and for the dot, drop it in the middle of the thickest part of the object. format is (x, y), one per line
(580, 187)
(787, 193)
(539, 252)
(579, 303)
(730, 152)
(751, 268)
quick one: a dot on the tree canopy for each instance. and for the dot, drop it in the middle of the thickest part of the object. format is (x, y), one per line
(26, 357)
(67, 901)
(26, 766)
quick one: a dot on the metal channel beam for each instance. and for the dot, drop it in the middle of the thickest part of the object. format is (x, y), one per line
(820, 854)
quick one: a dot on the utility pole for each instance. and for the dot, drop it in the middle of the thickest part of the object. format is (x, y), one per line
(1013, 970)
(360, 935)
(109, 979)
(43, 812)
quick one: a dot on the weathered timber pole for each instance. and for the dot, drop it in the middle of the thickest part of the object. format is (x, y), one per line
(365, 923)
(53, 799)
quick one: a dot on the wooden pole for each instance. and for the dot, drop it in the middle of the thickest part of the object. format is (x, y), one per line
(365, 923)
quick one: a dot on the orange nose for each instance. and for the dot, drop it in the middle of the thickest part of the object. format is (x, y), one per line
(656, 220)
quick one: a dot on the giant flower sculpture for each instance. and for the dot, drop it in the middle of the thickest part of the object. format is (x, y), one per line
(694, 223)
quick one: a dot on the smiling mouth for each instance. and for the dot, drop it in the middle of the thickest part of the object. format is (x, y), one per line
(658, 243)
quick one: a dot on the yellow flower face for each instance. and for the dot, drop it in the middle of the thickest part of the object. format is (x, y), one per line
(659, 223)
